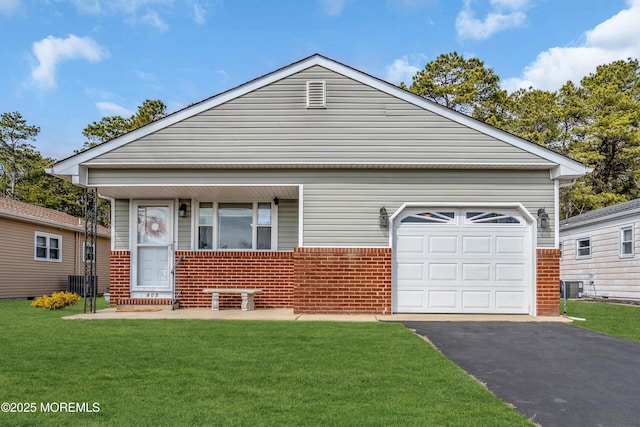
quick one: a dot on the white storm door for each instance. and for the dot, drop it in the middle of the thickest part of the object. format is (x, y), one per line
(153, 251)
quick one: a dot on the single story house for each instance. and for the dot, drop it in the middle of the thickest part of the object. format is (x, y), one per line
(41, 248)
(334, 192)
(600, 249)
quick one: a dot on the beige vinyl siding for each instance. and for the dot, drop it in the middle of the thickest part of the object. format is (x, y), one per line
(615, 276)
(21, 276)
(121, 225)
(360, 124)
(287, 225)
(341, 206)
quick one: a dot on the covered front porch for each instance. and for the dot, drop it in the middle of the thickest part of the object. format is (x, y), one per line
(171, 242)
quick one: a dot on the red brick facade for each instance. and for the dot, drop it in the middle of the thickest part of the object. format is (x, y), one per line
(309, 280)
(548, 282)
(119, 276)
(270, 271)
(342, 280)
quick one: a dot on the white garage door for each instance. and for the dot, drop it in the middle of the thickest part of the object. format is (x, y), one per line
(462, 261)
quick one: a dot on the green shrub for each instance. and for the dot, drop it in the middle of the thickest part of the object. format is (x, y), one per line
(56, 301)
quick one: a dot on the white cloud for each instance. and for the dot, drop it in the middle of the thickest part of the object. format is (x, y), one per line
(332, 7)
(401, 71)
(8, 7)
(199, 14)
(49, 52)
(153, 19)
(612, 40)
(504, 14)
(113, 109)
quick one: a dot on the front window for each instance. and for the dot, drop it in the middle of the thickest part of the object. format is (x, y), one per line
(235, 226)
(626, 242)
(48, 247)
(583, 248)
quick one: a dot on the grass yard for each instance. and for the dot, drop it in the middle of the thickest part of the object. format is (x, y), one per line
(613, 319)
(242, 373)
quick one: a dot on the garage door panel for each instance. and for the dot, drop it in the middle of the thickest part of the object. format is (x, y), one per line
(411, 245)
(508, 300)
(510, 272)
(474, 300)
(412, 300)
(411, 271)
(476, 272)
(443, 272)
(511, 245)
(443, 245)
(476, 245)
(480, 264)
(442, 300)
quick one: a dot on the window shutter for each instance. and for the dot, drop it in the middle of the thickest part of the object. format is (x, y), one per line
(316, 94)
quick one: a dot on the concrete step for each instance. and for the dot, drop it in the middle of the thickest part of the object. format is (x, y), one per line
(136, 304)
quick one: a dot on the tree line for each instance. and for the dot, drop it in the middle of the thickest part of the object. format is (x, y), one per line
(595, 122)
(22, 167)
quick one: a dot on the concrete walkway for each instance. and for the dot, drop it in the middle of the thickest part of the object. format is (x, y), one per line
(287, 314)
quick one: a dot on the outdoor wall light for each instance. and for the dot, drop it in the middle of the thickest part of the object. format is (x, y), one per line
(276, 201)
(384, 218)
(182, 210)
(543, 219)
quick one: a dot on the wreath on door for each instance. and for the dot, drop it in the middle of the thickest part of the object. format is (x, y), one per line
(155, 227)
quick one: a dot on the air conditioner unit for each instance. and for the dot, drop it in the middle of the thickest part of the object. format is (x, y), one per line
(573, 288)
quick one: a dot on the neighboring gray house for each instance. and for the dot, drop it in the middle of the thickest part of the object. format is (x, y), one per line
(333, 192)
(601, 246)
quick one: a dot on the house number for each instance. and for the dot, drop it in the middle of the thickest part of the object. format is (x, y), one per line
(152, 295)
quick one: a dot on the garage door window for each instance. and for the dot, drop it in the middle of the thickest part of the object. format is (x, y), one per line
(491, 218)
(431, 217)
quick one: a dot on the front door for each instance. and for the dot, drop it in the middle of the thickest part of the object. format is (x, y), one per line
(153, 251)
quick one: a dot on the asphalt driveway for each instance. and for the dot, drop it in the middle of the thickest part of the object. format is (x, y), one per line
(556, 374)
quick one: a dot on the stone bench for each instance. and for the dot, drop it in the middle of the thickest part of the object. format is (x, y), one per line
(247, 296)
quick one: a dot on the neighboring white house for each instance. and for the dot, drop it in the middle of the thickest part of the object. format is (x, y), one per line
(600, 249)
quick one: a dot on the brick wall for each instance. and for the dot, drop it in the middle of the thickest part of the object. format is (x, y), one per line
(548, 282)
(270, 271)
(119, 273)
(342, 280)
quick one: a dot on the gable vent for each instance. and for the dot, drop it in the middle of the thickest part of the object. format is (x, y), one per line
(316, 94)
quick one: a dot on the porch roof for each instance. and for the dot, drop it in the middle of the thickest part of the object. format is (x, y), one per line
(231, 193)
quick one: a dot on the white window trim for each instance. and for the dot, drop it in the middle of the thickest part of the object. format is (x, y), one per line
(254, 227)
(48, 236)
(633, 243)
(578, 256)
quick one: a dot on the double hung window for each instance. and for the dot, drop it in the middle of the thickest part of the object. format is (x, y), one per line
(48, 247)
(583, 248)
(235, 226)
(626, 241)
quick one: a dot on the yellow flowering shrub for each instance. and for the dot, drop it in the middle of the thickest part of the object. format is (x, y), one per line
(56, 301)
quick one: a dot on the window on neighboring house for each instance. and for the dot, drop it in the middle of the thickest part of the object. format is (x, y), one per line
(237, 226)
(48, 247)
(583, 248)
(89, 251)
(626, 241)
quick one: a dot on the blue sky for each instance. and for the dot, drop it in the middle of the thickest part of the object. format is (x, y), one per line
(67, 63)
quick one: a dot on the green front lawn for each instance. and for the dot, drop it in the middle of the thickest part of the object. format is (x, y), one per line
(613, 319)
(196, 372)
